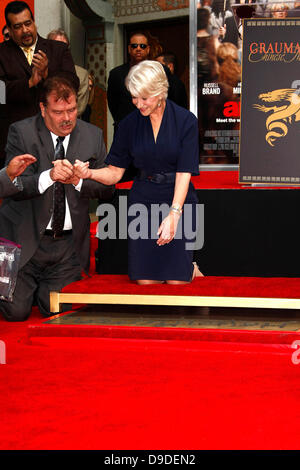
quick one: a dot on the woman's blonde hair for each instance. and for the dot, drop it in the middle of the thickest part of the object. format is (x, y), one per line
(279, 7)
(147, 79)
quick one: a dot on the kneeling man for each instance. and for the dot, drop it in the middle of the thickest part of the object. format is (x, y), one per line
(49, 217)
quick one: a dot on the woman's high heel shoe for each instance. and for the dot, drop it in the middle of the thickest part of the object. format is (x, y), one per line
(197, 272)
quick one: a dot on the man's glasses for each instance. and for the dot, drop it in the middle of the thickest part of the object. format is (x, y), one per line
(142, 46)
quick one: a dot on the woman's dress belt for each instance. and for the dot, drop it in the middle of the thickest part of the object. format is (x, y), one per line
(157, 178)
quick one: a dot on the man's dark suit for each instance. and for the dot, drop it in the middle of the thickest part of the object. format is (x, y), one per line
(15, 71)
(179, 92)
(7, 188)
(24, 217)
(118, 97)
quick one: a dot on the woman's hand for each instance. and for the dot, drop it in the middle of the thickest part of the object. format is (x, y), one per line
(167, 229)
(81, 169)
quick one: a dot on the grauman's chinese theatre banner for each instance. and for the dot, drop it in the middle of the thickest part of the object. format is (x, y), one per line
(270, 113)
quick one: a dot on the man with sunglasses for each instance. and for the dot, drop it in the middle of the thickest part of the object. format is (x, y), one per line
(118, 97)
(139, 50)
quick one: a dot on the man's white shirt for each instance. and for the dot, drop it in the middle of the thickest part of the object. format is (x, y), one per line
(45, 182)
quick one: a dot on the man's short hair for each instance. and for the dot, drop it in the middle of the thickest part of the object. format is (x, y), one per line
(15, 8)
(58, 32)
(203, 16)
(138, 33)
(169, 58)
(60, 85)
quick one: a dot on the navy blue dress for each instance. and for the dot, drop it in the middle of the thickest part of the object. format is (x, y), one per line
(175, 150)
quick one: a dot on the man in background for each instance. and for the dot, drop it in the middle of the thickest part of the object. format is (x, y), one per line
(82, 74)
(5, 33)
(118, 97)
(179, 92)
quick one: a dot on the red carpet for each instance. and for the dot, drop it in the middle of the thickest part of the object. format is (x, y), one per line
(131, 388)
(273, 287)
(218, 390)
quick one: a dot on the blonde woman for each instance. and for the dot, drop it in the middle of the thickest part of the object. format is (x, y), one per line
(161, 139)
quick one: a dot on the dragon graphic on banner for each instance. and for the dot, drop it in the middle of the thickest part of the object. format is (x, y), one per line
(284, 111)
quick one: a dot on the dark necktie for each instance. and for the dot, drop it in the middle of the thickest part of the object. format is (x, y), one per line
(59, 204)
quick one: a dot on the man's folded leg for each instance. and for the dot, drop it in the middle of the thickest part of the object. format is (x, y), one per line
(53, 266)
(54, 278)
(20, 308)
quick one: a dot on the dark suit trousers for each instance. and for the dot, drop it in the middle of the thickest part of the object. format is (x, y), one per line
(53, 266)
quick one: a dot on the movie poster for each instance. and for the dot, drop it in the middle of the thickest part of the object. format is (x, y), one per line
(219, 119)
(270, 114)
(219, 84)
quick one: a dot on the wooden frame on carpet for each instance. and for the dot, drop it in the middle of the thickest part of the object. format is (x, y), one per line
(58, 298)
